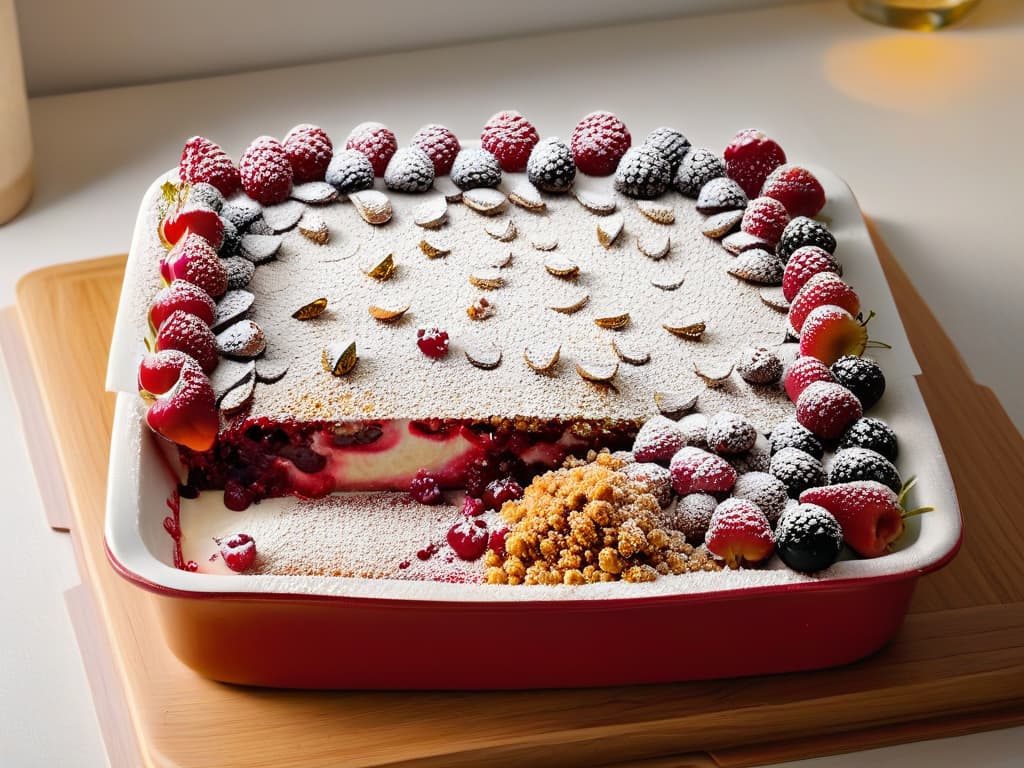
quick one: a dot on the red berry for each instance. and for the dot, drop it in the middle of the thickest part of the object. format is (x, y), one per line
(499, 491)
(805, 263)
(194, 260)
(497, 541)
(473, 507)
(266, 172)
(189, 334)
(424, 488)
(598, 142)
(510, 137)
(869, 513)
(658, 440)
(440, 144)
(765, 218)
(805, 371)
(203, 221)
(185, 411)
(309, 152)
(820, 289)
(827, 409)
(750, 158)
(433, 342)
(204, 161)
(739, 533)
(695, 470)
(184, 296)
(831, 332)
(376, 141)
(796, 188)
(468, 537)
(238, 551)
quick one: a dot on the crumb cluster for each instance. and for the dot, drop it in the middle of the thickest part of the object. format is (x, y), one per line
(588, 522)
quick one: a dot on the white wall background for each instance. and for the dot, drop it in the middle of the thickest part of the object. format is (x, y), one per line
(87, 44)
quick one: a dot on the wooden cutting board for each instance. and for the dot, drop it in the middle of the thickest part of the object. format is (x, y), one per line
(956, 666)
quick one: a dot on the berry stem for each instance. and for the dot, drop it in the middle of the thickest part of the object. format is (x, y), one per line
(872, 343)
(901, 499)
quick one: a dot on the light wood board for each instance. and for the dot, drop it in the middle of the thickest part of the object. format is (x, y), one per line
(956, 666)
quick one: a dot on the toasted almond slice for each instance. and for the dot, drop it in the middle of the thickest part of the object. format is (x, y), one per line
(674, 403)
(669, 282)
(485, 200)
(447, 188)
(431, 213)
(313, 309)
(687, 328)
(630, 351)
(314, 228)
(314, 192)
(259, 249)
(758, 266)
(504, 230)
(380, 269)
(340, 358)
(544, 242)
(283, 216)
(595, 202)
(657, 211)
(483, 354)
(270, 371)
(774, 298)
(434, 246)
(609, 229)
(501, 261)
(373, 206)
(597, 372)
(388, 314)
(714, 375)
(238, 398)
(615, 320)
(738, 242)
(572, 303)
(525, 195)
(561, 266)
(243, 339)
(229, 374)
(260, 227)
(231, 306)
(654, 245)
(481, 309)
(721, 224)
(542, 356)
(487, 279)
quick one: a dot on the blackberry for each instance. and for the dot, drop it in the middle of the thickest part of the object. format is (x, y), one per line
(203, 195)
(797, 470)
(410, 169)
(475, 167)
(721, 194)
(551, 167)
(642, 174)
(808, 538)
(852, 464)
(873, 434)
(670, 144)
(730, 433)
(232, 239)
(765, 490)
(862, 376)
(349, 171)
(803, 231)
(240, 213)
(699, 166)
(240, 271)
(792, 434)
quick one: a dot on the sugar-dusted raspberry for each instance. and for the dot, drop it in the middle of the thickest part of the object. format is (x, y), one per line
(797, 189)
(653, 478)
(803, 372)
(658, 440)
(425, 489)
(238, 551)
(469, 538)
(642, 174)
(265, 171)
(187, 333)
(510, 137)
(440, 144)
(183, 295)
(827, 409)
(695, 470)
(472, 506)
(194, 260)
(309, 151)
(750, 157)
(693, 515)
(499, 491)
(740, 534)
(598, 142)
(765, 218)
(376, 141)
(203, 161)
(804, 263)
(433, 342)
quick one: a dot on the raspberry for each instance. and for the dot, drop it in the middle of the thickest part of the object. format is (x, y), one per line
(797, 470)
(468, 538)
(642, 174)
(739, 533)
(498, 492)
(765, 218)
(265, 171)
(670, 144)
(376, 141)
(792, 434)
(424, 488)
(204, 161)
(698, 166)
(797, 189)
(433, 342)
(510, 137)
(806, 262)
(873, 434)
(349, 171)
(238, 551)
(803, 372)
(862, 376)
(827, 409)
(658, 440)
(409, 170)
(730, 433)
(852, 464)
(496, 543)
(695, 470)
(808, 538)
(598, 142)
(185, 296)
(440, 144)
(551, 167)
(187, 333)
(472, 507)
(194, 260)
(824, 288)
(750, 157)
(829, 332)
(309, 151)
(803, 231)
(475, 167)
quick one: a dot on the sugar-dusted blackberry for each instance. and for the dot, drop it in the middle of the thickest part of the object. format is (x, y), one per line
(808, 538)
(797, 470)
(765, 490)
(203, 195)
(241, 211)
(475, 167)
(232, 239)
(873, 434)
(698, 166)
(852, 464)
(803, 231)
(240, 271)
(792, 434)
(551, 167)
(862, 376)
(349, 171)
(670, 144)
(410, 169)
(642, 173)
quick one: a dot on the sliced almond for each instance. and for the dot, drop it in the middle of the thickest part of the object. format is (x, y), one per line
(483, 354)
(373, 206)
(525, 195)
(714, 375)
(738, 242)
(238, 398)
(615, 320)
(773, 297)
(487, 279)
(231, 306)
(758, 266)
(314, 228)
(229, 374)
(259, 249)
(504, 231)
(561, 266)
(380, 269)
(721, 224)
(485, 200)
(314, 193)
(542, 356)
(597, 372)
(654, 245)
(630, 351)
(340, 358)
(674, 403)
(500, 261)
(431, 213)
(595, 202)
(669, 282)
(434, 246)
(481, 309)
(657, 211)
(571, 303)
(270, 371)
(447, 188)
(313, 309)
(388, 314)
(283, 216)
(260, 227)
(609, 229)
(687, 328)
(243, 339)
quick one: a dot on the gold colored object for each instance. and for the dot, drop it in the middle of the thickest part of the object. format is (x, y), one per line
(388, 314)
(315, 308)
(339, 359)
(382, 270)
(919, 15)
(614, 322)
